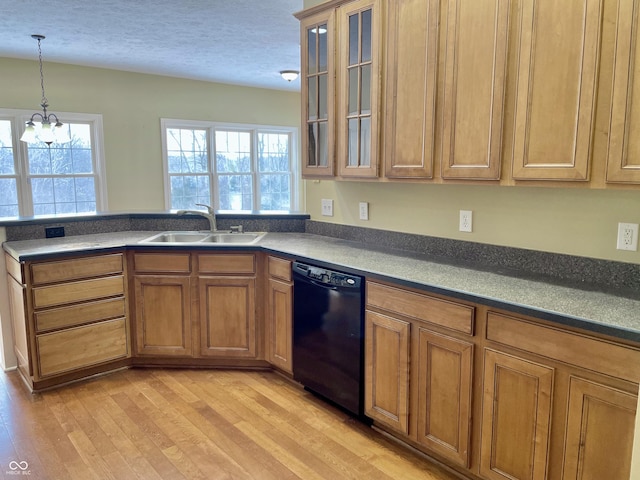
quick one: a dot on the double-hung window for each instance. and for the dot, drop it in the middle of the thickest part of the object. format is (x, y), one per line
(57, 179)
(236, 168)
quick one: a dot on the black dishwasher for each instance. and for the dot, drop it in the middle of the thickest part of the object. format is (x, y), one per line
(328, 335)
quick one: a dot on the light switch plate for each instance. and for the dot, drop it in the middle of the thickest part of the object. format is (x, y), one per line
(327, 207)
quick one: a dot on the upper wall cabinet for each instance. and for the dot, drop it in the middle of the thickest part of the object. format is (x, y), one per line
(412, 57)
(317, 45)
(358, 87)
(474, 85)
(558, 48)
(623, 159)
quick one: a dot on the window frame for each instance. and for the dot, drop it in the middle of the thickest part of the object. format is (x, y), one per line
(18, 119)
(254, 130)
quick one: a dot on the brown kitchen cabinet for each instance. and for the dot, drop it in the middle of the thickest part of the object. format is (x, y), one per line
(227, 305)
(387, 370)
(623, 154)
(418, 379)
(358, 85)
(279, 314)
(516, 417)
(162, 289)
(558, 46)
(318, 93)
(412, 54)
(69, 317)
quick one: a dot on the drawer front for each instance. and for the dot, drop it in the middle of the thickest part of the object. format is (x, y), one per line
(162, 262)
(79, 314)
(73, 292)
(76, 268)
(223, 264)
(446, 314)
(571, 348)
(280, 268)
(14, 268)
(81, 347)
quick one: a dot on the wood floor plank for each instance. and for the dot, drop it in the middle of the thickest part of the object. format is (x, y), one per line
(156, 424)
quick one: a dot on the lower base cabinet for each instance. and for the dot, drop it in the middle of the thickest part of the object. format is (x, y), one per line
(498, 396)
(599, 433)
(516, 418)
(445, 377)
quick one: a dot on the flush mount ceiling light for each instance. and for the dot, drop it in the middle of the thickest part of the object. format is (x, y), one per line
(289, 75)
(43, 131)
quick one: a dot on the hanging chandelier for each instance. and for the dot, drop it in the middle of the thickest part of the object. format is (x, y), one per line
(44, 130)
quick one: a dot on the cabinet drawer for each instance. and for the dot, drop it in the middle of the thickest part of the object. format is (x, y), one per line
(446, 314)
(73, 292)
(227, 264)
(14, 268)
(162, 262)
(79, 314)
(280, 268)
(76, 268)
(571, 348)
(81, 347)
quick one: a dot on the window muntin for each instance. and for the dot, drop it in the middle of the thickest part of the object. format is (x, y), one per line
(60, 179)
(235, 168)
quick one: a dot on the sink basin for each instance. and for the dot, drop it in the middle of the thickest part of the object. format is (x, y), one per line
(232, 238)
(177, 237)
(199, 238)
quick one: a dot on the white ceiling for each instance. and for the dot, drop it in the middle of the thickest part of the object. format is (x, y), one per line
(244, 42)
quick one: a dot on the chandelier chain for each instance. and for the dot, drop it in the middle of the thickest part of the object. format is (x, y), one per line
(44, 98)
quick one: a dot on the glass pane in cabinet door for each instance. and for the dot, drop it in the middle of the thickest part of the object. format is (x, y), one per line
(313, 97)
(322, 48)
(365, 90)
(311, 51)
(353, 91)
(353, 39)
(322, 97)
(365, 141)
(323, 145)
(366, 36)
(311, 144)
(353, 142)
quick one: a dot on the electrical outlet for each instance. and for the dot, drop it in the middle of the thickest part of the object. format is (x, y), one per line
(466, 221)
(628, 236)
(364, 210)
(53, 232)
(327, 207)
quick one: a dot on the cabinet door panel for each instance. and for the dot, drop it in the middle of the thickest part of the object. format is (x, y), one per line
(317, 92)
(387, 370)
(227, 316)
(358, 91)
(599, 416)
(163, 319)
(444, 395)
(516, 417)
(558, 52)
(623, 159)
(411, 88)
(475, 63)
(280, 324)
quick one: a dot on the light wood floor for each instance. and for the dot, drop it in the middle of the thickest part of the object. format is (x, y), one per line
(191, 424)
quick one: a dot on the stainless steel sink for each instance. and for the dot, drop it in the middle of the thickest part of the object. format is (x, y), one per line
(198, 238)
(233, 238)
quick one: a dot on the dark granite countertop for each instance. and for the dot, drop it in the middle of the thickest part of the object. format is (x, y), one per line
(589, 309)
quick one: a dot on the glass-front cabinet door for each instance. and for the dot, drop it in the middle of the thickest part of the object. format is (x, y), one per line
(358, 80)
(318, 73)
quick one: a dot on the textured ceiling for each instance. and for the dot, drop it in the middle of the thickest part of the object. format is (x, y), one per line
(244, 42)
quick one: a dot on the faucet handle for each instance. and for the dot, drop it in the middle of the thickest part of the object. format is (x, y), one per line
(208, 207)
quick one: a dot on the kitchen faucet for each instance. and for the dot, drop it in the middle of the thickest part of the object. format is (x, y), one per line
(209, 215)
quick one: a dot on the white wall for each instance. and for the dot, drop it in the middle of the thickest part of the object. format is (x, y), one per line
(7, 357)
